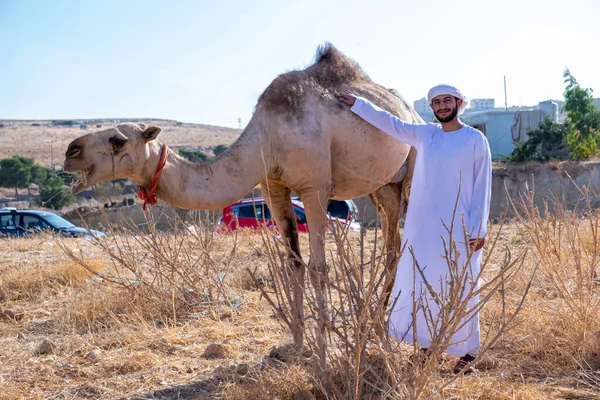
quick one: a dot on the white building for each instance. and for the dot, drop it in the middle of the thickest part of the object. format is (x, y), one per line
(422, 106)
(481, 104)
(423, 109)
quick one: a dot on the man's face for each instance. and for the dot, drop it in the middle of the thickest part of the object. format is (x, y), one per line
(445, 107)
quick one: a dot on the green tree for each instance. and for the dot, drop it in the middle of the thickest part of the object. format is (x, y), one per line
(220, 148)
(548, 141)
(195, 156)
(584, 136)
(39, 174)
(15, 172)
(55, 194)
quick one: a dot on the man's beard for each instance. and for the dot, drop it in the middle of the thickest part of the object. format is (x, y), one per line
(450, 116)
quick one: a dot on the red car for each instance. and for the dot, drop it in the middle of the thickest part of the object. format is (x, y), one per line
(254, 213)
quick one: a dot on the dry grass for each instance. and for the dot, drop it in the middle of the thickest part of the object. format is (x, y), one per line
(115, 338)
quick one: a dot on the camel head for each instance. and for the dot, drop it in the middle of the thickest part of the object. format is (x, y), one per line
(119, 152)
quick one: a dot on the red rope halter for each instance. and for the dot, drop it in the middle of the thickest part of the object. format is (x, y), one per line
(150, 197)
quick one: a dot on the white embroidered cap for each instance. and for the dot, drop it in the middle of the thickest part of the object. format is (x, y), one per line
(452, 91)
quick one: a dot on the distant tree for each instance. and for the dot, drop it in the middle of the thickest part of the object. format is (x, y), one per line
(196, 156)
(102, 191)
(219, 149)
(15, 172)
(39, 174)
(578, 138)
(55, 194)
(584, 136)
(546, 142)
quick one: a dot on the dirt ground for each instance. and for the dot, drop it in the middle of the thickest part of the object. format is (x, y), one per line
(67, 335)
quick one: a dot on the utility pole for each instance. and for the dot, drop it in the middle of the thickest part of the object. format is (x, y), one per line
(52, 155)
(505, 101)
(240, 123)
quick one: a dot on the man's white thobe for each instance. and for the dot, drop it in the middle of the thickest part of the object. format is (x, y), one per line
(452, 169)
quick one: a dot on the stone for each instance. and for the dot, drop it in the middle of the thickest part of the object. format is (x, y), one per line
(242, 369)
(47, 347)
(93, 355)
(214, 350)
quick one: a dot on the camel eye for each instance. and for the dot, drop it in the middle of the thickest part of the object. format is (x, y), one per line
(74, 153)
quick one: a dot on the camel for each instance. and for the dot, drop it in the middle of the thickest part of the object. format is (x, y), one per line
(300, 139)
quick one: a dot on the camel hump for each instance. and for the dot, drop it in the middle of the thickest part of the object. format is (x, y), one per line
(331, 70)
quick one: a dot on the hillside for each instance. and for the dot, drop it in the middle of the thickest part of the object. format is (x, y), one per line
(47, 143)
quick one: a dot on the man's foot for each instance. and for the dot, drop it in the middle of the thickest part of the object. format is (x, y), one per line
(462, 364)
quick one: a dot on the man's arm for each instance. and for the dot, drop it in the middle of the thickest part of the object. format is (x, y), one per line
(383, 120)
(482, 193)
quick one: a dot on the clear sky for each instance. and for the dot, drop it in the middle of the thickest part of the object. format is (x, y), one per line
(207, 61)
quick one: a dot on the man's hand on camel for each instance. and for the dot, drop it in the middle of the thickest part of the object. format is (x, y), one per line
(347, 97)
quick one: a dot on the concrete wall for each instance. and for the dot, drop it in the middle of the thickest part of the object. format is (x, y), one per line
(546, 180)
(514, 180)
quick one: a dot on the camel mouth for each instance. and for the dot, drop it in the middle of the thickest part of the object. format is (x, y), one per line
(81, 180)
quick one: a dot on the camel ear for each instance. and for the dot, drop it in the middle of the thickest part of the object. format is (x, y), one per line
(151, 133)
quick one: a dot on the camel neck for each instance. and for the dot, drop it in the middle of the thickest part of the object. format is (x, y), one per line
(214, 184)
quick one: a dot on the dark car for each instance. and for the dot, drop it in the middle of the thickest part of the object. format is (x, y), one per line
(15, 222)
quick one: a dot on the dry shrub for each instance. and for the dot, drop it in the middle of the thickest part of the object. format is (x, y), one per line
(155, 274)
(361, 360)
(567, 244)
(38, 280)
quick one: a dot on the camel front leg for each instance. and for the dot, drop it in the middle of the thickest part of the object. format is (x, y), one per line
(315, 204)
(278, 198)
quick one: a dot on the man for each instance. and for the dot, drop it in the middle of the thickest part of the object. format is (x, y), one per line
(452, 177)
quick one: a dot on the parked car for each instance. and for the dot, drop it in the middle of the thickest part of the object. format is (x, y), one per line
(254, 213)
(15, 222)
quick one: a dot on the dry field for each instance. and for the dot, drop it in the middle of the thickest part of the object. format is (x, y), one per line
(177, 316)
(42, 142)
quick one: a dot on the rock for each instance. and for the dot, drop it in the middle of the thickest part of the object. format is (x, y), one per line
(289, 352)
(226, 314)
(47, 347)
(242, 369)
(93, 355)
(214, 350)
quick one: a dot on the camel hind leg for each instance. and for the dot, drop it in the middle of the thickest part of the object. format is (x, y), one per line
(387, 200)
